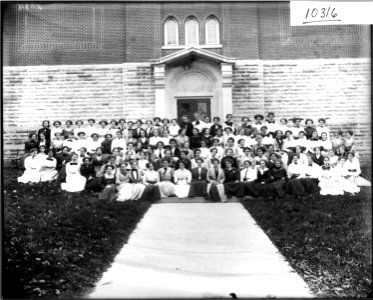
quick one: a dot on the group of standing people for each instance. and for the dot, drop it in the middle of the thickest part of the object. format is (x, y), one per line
(162, 158)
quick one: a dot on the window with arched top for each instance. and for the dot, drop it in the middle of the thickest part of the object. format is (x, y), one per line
(212, 31)
(191, 32)
(171, 32)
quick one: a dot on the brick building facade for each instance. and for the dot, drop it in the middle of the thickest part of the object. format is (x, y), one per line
(70, 61)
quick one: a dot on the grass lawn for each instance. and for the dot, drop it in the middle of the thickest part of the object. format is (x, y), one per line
(326, 239)
(58, 244)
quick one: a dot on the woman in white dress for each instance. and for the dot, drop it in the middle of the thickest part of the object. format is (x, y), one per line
(215, 182)
(102, 130)
(48, 170)
(75, 182)
(347, 185)
(353, 171)
(174, 128)
(124, 187)
(329, 180)
(182, 180)
(56, 129)
(32, 166)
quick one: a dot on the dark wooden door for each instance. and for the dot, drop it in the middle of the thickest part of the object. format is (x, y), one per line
(190, 106)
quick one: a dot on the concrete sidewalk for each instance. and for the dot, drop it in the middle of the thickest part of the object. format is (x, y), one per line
(194, 250)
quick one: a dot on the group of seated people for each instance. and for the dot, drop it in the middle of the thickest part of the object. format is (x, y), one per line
(162, 158)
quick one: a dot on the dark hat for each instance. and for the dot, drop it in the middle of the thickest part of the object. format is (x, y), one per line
(323, 119)
(261, 148)
(301, 132)
(94, 121)
(86, 157)
(69, 122)
(296, 119)
(245, 118)
(81, 132)
(278, 156)
(309, 120)
(258, 116)
(121, 120)
(115, 121)
(70, 132)
(230, 128)
(160, 142)
(54, 123)
(94, 134)
(103, 121)
(33, 150)
(76, 122)
(108, 135)
(264, 126)
(139, 121)
(271, 114)
(156, 119)
(199, 159)
(167, 147)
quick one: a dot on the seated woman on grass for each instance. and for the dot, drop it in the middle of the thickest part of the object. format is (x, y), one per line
(32, 166)
(48, 170)
(310, 180)
(348, 186)
(353, 171)
(329, 180)
(107, 184)
(75, 182)
(277, 184)
(182, 180)
(295, 171)
(151, 179)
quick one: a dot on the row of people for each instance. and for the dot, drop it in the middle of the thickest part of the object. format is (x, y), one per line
(220, 180)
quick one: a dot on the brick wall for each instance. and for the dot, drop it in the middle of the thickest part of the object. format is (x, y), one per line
(138, 91)
(338, 89)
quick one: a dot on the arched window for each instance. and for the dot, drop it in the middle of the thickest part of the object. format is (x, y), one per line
(171, 32)
(191, 32)
(212, 31)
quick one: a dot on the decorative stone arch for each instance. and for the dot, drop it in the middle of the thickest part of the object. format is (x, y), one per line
(193, 73)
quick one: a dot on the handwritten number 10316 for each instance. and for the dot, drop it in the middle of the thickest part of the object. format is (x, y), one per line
(323, 13)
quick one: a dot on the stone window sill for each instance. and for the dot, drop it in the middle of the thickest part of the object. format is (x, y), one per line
(196, 46)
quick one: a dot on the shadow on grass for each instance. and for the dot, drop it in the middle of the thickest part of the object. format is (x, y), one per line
(57, 244)
(326, 239)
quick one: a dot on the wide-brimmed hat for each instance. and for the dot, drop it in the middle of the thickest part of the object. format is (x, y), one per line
(258, 116)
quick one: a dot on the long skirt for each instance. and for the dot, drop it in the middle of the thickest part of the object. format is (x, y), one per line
(62, 174)
(108, 193)
(262, 189)
(249, 189)
(151, 193)
(360, 181)
(48, 175)
(93, 185)
(29, 176)
(138, 190)
(294, 187)
(349, 186)
(74, 183)
(166, 188)
(233, 189)
(182, 190)
(276, 188)
(330, 187)
(216, 192)
(198, 189)
(311, 185)
(125, 191)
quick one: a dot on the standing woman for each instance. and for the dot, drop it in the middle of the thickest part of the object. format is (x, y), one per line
(56, 128)
(322, 128)
(102, 130)
(30, 143)
(349, 141)
(295, 174)
(67, 129)
(107, 184)
(278, 177)
(182, 180)
(174, 128)
(166, 174)
(79, 128)
(329, 180)
(32, 166)
(229, 123)
(45, 130)
(151, 178)
(48, 170)
(136, 180)
(215, 178)
(283, 125)
(309, 129)
(232, 184)
(124, 187)
(75, 182)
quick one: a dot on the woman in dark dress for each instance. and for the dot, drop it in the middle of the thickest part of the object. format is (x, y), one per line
(142, 138)
(107, 184)
(195, 139)
(198, 186)
(45, 130)
(106, 144)
(232, 186)
(98, 160)
(262, 180)
(207, 137)
(44, 142)
(296, 172)
(88, 171)
(229, 156)
(30, 143)
(309, 129)
(151, 178)
(278, 177)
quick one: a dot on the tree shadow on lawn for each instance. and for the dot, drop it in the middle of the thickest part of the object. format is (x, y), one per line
(58, 244)
(326, 239)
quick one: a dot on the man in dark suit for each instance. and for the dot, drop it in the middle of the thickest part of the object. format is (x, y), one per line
(175, 151)
(185, 124)
(149, 129)
(198, 186)
(215, 126)
(136, 131)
